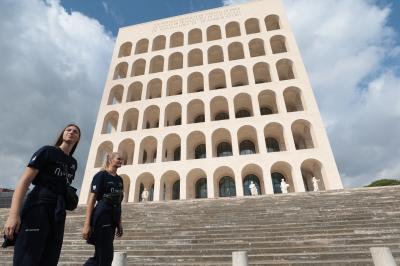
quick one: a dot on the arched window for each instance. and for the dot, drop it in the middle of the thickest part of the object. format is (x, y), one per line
(261, 73)
(276, 182)
(174, 86)
(195, 82)
(201, 188)
(272, 144)
(134, 92)
(247, 147)
(293, 99)
(159, 43)
(200, 151)
(302, 135)
(156, 64)
(195, 36)
(138, 67)
(125, 49)
(272, 22)
(246, 183)
(195, 58)
(252, 26)
(256, 47)
(121, 70)
(278, 44)
(224, 149)
(102, 151)
(235, 51)
(267, 102)
(110, 123)
(176, 190)
(227, 187)
(175, 61)
(217, 79)
(221, 116)
(176, 39)
(142, 46)
(239, 76)
(154, 89)
(232, 29)
(213, 33)
(285, 69)
(116, 95)
(215, 54)
(130, 120)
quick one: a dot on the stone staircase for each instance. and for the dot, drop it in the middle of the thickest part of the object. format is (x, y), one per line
(5, 199)
(314, 228)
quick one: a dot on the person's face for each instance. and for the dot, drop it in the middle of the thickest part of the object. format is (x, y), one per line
(116, 161)
(71, 134)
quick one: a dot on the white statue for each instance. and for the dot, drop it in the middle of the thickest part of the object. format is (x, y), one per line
(284, 186)
(253, 189)
(315, 183)
(145, 195)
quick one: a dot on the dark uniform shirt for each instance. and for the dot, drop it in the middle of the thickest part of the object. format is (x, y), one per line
(56, 169)
(104, 183)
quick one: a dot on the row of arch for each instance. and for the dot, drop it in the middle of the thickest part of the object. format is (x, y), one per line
(196, 113)
(225, 183)
(220, 142)
(195, 82)
(195, 58)
(177, 39)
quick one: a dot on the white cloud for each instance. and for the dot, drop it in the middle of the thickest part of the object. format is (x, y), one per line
(54, 65)
(345, 46)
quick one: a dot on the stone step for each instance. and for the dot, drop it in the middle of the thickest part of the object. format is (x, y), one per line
(324, 228)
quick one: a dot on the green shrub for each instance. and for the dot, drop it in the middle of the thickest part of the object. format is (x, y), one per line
(384, 182)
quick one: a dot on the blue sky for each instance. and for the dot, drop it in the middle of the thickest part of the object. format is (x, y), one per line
(55, 57)
(119, 13)
(116, 14)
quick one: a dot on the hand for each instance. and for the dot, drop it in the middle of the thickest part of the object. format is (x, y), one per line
(12, 226)
(120, 231)
(86, 232)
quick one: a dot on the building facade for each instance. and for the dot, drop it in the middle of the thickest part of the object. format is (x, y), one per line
(203, 104)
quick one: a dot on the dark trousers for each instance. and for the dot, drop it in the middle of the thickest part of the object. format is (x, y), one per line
(39, 240)
(103, 232)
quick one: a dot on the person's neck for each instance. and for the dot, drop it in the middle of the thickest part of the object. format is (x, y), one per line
(112, 171)
(66, 148)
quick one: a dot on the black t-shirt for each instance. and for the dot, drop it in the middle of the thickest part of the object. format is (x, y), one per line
(56, 169)
(104, 183)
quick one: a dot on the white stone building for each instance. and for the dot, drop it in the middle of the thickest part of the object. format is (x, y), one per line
(202, 104)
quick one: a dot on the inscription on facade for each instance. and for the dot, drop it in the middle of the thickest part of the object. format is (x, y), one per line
(196, 19)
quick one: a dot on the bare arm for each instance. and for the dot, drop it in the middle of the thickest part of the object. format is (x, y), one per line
(89, 210)
(13, 222)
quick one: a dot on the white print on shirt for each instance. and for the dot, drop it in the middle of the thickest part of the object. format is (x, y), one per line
(32, 230)
(94, 187)
(64, 172)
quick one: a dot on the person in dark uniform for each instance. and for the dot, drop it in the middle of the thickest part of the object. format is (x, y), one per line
(103, 221)
(39, 224)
